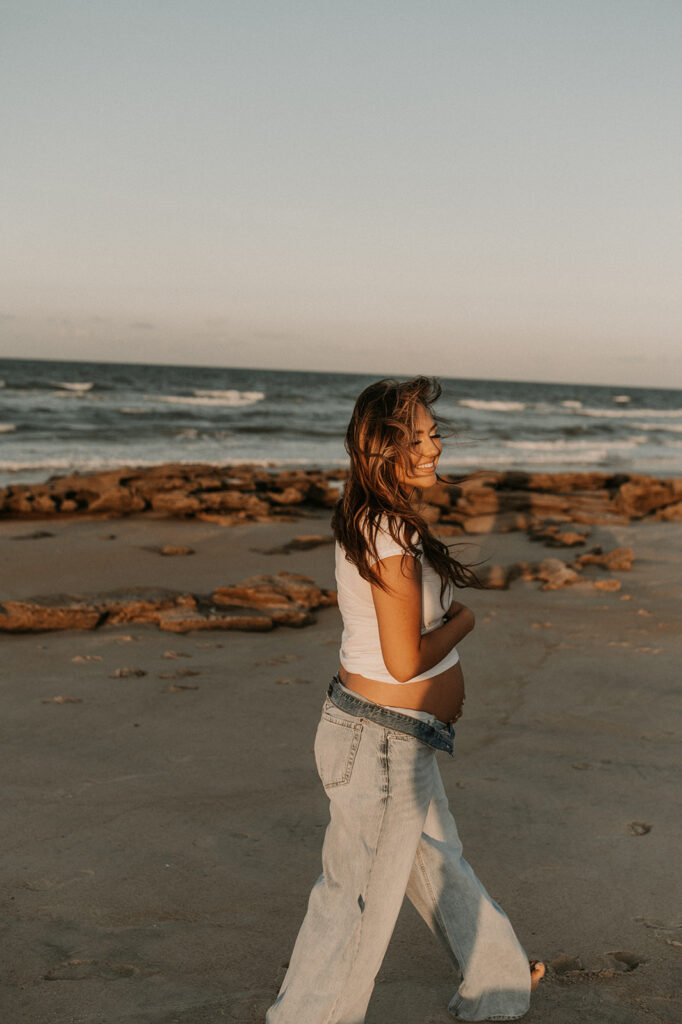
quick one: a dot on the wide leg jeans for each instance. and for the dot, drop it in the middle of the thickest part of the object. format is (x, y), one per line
(391, 832)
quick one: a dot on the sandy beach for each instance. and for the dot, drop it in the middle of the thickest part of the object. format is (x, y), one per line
(163, 825)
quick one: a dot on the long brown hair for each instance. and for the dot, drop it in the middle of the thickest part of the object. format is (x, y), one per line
(378, 440)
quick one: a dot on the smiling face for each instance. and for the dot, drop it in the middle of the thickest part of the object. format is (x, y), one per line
(424, 452)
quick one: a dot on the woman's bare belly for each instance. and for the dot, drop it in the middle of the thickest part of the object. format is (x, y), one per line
(441, 695)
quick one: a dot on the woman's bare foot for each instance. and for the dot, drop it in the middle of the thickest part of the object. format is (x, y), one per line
(537, 973)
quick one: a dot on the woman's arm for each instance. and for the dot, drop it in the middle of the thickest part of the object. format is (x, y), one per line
(405, 651)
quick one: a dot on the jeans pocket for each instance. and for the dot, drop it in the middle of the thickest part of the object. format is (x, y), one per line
(336, 744)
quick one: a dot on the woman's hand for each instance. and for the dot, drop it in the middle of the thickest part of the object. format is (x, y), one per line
(463, 614)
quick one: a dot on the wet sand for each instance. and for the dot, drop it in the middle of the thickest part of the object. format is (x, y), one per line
(162, 831)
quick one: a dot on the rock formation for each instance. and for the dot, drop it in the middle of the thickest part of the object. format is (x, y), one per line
(257, 604)
(478, 503)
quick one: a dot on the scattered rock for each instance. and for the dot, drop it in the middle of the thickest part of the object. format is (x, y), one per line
(554, 535)
(555, 573)
(607, 586)
(127, 673)
(62, 700)
(300, 544)
(495, 577)
(175, 550)
(639, 828)
(617, 560)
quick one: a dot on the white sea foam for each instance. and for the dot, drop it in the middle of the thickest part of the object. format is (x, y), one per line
(95, 464)
(572, 403)
(130, 410)
(575, 446)
(673, 428)
(586, 456)
(80, 387)
(231, 399)
(15, 466)
(623, 399)
(490, 406)
(618, 414)
(7, 428)
(2, 383)
(230, 394)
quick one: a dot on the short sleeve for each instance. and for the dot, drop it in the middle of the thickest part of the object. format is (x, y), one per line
(387, 546)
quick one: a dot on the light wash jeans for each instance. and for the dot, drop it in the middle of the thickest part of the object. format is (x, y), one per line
(391, 832)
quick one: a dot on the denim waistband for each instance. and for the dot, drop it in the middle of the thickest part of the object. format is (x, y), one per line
(440, 736)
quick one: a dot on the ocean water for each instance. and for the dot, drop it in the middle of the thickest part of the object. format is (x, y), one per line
(56, 417)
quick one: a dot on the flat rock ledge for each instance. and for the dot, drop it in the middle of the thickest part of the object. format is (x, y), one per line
(258, 604)
(478, 503)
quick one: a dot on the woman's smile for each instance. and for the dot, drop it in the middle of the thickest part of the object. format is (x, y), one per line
(426, 450)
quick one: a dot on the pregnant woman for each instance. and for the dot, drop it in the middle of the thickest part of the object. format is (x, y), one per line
(393, 703)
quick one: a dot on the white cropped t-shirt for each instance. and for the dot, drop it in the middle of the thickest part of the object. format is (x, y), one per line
(360, 644)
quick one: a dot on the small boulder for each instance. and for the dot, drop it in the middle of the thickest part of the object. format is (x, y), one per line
(555, 573)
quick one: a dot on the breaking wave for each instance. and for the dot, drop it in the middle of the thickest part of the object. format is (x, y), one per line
(562, 445)
(230, 398)
(621, 414)
(78, 387)
(492, 406)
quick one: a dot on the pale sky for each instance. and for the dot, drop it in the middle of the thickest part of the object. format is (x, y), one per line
(471, 188)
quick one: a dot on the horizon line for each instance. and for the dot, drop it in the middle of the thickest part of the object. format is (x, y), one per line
(377, 375)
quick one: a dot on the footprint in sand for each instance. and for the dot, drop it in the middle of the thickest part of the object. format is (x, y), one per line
(278, 659)
(639, 828)
(670, 933)
(169, 550)
(83, 970)
(572, 968)
(36, 535)
(47, 884)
